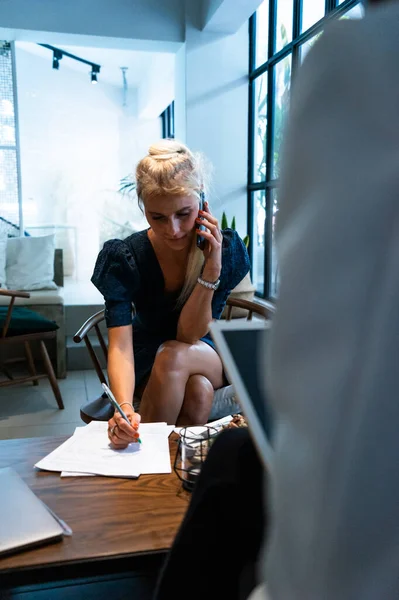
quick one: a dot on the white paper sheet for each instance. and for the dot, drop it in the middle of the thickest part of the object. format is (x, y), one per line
(88, 451)
(214, 424)
(76, 474)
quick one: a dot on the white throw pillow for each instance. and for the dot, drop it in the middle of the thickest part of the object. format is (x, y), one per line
(3, 247)
(30, 263)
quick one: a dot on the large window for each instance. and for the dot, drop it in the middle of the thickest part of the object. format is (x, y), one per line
(281, 32)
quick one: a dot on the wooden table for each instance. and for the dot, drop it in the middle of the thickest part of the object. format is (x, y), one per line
(119, 525)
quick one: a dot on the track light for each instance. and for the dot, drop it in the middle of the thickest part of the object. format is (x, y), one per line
(57, 55)
(95, 69)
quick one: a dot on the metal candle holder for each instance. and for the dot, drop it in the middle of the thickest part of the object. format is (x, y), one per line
(193, 448)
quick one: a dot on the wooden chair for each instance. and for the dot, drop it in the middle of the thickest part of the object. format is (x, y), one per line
(265, 310)
(92, 326)
(20, 325)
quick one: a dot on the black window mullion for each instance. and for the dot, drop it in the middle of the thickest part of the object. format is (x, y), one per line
(251, 137)
(250, 227)
(297, 20)
(250, 166)
(269, 142)
(272, 27)
(258, 185)
(251, 100)
(168, 121)
(251, 132)
(297, 24)
(262, 185)
(252, 43)
(172, 119)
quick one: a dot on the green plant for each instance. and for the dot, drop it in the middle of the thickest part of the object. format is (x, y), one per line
(224, 225)
(127, 185)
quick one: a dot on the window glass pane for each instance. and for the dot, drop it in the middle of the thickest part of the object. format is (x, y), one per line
(284, 20)
(9, 204)
(312, 11)
(357, 12)
(262, 33)
(282, 82)
(260, 127)
(304, 49)
(9, 199)
(275, 276)
(258, 241)
(172, 120)
(7, 119)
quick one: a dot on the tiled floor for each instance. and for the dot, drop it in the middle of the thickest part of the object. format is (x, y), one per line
(32, 411)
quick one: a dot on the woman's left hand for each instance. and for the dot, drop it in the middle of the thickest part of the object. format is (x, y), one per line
(213, 248)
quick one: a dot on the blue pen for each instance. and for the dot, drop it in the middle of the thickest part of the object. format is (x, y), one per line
(114, 403)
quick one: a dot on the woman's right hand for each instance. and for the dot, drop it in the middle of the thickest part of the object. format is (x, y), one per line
(121, 434)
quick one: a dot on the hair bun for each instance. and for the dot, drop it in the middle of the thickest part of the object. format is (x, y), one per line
(168, 149)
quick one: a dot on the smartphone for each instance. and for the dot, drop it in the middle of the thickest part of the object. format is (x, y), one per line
(200, 239)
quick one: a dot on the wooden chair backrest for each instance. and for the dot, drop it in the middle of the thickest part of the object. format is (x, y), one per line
(12, 295)
(265, 311)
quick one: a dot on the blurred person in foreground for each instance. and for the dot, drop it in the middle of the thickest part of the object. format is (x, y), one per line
(333, 375)
(331, 521)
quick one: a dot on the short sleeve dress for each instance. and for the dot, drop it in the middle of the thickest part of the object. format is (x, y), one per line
(128, 275)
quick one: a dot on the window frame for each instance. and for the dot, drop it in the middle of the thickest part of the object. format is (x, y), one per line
(14, 148)
(333, 10)
(168, 121)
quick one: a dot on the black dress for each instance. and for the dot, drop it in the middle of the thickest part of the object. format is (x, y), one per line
(127, 273)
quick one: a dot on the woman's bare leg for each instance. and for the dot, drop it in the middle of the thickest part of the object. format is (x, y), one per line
(174, 364)
(197, 401)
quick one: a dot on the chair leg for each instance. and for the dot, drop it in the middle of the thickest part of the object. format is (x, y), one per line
(6, 372)
(31, 364)
(51, 375)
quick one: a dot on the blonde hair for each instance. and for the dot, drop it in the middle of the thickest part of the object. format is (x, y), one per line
(170, 169)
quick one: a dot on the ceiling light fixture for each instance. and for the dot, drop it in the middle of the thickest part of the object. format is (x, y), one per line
(58, 54)
(95, 69)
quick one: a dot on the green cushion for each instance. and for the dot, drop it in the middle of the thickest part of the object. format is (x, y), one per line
(25, 321)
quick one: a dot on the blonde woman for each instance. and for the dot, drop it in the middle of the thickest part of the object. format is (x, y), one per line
(165, 355)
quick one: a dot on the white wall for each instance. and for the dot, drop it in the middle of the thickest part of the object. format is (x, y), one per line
(180, 94)
(140, 19)
(209, 7)
(157, 89)
(77, 141)
(217, 113)
(226, 16)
